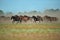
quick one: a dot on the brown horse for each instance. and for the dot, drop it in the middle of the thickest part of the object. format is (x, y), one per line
(24, 18)
(54, 18)
(48, 18)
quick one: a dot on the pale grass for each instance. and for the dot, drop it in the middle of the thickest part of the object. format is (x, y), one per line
(46, 31)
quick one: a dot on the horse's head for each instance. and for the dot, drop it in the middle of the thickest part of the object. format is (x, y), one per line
(38, 16)
(12, 17)
(33, 16)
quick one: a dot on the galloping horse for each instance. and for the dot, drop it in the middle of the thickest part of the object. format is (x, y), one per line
(24, 18)
(16, 18)
(38, 18)
(48, 18)
(54, 18)
(20, 18)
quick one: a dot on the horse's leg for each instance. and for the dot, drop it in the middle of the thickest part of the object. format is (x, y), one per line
(50, 20)
(17, 21)
(39, 21)
(20, 21)
(42, 20)
(35, 21)
(25, 21)
(13, 21)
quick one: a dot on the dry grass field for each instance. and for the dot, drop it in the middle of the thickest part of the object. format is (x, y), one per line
(34, 31)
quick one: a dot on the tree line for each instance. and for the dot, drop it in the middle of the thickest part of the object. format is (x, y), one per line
(34, 12)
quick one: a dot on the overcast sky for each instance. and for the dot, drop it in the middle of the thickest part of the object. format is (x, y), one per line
(28, 5)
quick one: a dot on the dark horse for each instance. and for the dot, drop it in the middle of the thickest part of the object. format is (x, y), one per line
(16, 18)
(54, 18)
(37, 18)
(48, 18)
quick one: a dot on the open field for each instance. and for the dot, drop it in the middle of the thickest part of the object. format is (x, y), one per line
(29, 19)
(34, 31)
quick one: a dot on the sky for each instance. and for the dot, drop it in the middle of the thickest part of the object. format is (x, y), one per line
(28, 5)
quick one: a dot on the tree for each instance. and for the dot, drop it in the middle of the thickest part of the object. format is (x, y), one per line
(9, 14)
(19, 13)
(34, 11)
(57, 9)
(1, 13)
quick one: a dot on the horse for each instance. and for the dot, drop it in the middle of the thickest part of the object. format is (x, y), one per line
(48, 18)
(24, 18)
(37, 18)
(16, 18)
(54, 18)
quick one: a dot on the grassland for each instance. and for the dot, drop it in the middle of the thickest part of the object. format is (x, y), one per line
(34, 31)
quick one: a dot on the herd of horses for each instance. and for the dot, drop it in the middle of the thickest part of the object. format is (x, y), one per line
(38, 18)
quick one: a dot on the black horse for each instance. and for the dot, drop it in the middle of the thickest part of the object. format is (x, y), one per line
(37, 18)
(16, 18)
